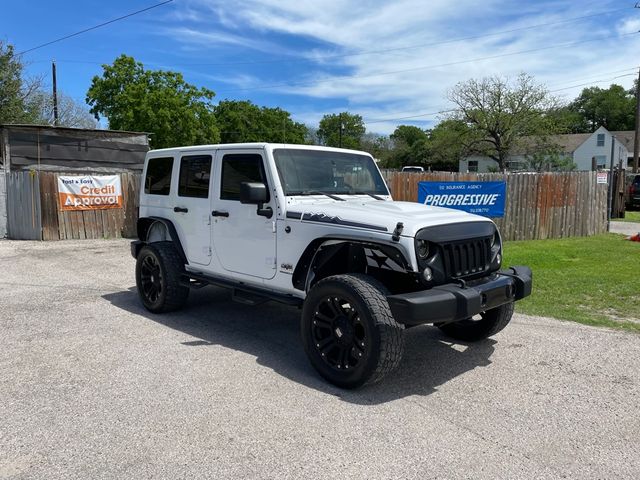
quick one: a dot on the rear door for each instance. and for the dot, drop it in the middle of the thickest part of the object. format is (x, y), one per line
(243, 241)
(191, 212)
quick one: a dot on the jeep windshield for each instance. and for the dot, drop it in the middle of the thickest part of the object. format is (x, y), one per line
(313, 172)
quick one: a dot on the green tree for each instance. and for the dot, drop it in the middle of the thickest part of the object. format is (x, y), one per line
(155, 101)
(16, 91)
(612, 108)
(408, 135)
(341, 130)
(410, 147)
(549, 157)
(500, 112)
(449, 142)
(379, 146)
(567, 120)
(243, 121)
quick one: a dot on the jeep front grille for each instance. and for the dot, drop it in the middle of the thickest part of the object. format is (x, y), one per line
(463, 259)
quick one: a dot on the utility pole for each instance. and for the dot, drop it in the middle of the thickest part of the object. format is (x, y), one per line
(340, 135)
(636, 137)
(610, 190)
(55, 94)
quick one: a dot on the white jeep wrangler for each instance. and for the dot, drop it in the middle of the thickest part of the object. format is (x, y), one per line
(316, 227)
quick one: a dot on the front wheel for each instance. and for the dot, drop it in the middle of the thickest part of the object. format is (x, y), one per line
(473, 329)
(159, 269)
(348, 331)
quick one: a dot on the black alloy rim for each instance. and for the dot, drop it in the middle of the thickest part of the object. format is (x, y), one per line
(150, 278)
(338, 334)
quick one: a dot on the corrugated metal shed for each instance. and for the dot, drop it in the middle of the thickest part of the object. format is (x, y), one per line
(61, 149)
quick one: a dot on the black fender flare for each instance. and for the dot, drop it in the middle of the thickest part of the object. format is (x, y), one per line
(145, 223)
(303, 272)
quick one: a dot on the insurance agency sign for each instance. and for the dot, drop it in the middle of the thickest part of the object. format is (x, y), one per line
(90, 192)
(482, 198)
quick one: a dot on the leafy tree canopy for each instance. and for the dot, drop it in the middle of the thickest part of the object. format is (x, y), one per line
(499, 112)
(155, 101)
(612, 108)
(16, 92)
(243, 121)
(351, 125)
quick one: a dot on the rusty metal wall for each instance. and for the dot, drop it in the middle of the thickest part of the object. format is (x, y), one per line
(23, 206)
(3, 204)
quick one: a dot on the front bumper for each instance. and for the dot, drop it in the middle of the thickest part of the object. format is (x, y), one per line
(457, 301)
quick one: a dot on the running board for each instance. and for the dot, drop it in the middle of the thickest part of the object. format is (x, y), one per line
(242, 293)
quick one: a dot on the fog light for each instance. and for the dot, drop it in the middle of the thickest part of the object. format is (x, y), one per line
(427, 274)
(499, 259)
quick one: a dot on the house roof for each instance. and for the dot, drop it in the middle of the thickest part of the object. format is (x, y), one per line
(571, 141)
(626, 137)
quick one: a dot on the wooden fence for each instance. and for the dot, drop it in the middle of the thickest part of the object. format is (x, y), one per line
(538, 205)
(33, 197)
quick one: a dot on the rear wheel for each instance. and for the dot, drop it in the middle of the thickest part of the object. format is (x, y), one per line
(159, 270)
(484, 325)
(348, 331)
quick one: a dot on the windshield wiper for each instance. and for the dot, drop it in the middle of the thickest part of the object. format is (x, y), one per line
(372, 195)
(316, 192)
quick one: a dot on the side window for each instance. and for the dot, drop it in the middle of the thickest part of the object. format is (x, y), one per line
(195, 171)
(158, 178)
(238, 168)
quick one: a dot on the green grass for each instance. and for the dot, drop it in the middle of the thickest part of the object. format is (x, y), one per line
(592, 280)
(629, 216)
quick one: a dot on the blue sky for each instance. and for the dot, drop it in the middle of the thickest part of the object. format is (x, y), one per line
(383, 60)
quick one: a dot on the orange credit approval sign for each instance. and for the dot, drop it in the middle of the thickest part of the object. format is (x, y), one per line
(90, 192)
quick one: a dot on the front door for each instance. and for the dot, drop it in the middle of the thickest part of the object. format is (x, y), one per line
(243, 241)
(191, 212)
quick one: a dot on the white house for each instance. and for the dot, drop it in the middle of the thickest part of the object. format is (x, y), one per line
(583, 148)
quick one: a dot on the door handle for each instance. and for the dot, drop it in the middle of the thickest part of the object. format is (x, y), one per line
(218, 213)
(180, 209)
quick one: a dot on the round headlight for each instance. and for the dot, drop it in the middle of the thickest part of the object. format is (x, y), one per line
(423, 249)
(495, 239)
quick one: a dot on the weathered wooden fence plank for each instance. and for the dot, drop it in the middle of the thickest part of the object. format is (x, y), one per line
(538, 205)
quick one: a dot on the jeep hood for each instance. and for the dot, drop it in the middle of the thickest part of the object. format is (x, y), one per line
(381, 216)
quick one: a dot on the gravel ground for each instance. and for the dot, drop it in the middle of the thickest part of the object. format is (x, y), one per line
(92, 386)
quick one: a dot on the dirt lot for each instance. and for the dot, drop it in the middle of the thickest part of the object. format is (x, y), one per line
(92, 386)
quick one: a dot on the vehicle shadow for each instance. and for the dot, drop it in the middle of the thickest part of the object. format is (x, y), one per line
(271, 333)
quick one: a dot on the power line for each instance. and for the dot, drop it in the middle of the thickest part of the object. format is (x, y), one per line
(366, 52)
(94, 27)
(424, 67)
(592, 82)
(427, 114)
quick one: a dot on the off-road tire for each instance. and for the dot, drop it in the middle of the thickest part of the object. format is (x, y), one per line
(470, 330)
(163, 258)
(372, 324)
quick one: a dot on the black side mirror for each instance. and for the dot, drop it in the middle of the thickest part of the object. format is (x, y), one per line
(256, 194)
(253, 193)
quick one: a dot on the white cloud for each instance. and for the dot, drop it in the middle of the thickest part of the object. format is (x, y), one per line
(382, 85)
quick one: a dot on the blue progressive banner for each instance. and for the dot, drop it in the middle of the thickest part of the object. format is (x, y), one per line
(482, 198)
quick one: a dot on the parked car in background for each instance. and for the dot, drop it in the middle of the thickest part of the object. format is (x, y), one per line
(633, 200)
(410, 168)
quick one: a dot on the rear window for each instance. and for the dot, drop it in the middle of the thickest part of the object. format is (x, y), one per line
(158, 178)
